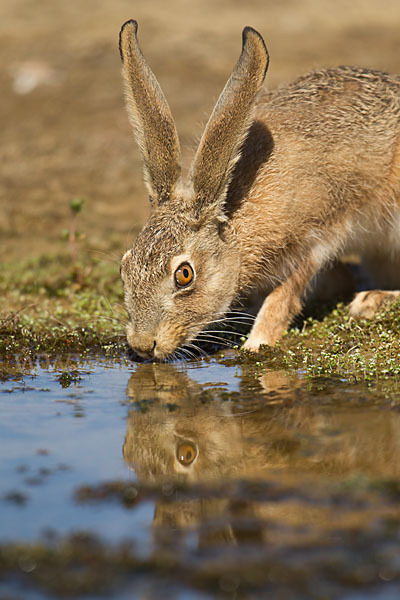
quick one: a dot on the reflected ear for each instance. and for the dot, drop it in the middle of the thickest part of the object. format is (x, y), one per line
(150, 117)
(228, 125)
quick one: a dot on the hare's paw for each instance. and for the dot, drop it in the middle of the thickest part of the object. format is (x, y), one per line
(250, 346)
(366, 304)
(254, 341)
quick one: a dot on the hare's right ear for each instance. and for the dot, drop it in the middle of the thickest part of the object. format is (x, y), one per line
(226, 130)
(150, 117)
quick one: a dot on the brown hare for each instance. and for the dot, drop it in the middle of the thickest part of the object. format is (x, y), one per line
(283, 182)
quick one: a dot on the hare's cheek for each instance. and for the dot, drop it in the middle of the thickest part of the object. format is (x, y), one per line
(122, 266)
(169, 337)
(129, 334)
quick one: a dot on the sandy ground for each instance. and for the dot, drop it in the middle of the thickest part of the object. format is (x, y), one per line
(64, 130)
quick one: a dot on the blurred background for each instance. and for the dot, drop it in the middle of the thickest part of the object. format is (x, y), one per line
(64, 130)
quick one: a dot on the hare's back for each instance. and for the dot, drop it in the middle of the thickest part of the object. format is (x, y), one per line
(330, 151)
(334, 126)
(338, 91)
(337, 97)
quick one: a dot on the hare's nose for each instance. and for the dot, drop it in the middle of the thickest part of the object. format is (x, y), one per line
(146, 351)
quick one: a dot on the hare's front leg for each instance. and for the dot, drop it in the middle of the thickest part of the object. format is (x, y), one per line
(278, 310)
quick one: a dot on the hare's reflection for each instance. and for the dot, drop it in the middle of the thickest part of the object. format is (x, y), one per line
(180, 429)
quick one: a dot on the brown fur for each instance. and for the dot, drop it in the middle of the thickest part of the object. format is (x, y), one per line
(151, 119)
(366, 304)
(282, 184)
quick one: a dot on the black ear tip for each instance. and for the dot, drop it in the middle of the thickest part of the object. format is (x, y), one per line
(132, 23)
(128, 25)
(249, 32)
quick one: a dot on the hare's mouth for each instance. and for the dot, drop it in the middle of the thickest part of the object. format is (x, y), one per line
(163, 345)
(149, 353)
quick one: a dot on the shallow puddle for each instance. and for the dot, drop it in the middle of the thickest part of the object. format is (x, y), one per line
(197, 480)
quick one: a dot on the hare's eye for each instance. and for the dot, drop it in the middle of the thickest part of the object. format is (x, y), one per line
(183, 275)
(186, 453)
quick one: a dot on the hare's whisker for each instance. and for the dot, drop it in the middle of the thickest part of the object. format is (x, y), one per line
(114, 259)
(186, 351)
(212, 339)
(232, 332)
(238, 312)
(113, 307)
(173, 357)
(227, 322)
(197, 348)
(121, 306)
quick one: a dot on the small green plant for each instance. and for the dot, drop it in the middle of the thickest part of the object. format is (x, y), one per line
(72, 234)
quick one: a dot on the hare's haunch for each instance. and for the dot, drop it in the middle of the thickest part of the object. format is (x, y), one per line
(282, 183)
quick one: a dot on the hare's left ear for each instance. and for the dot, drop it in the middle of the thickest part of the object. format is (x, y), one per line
(151, 118)
(227, 128)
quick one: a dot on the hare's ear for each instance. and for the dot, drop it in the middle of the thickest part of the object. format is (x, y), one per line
(227, 128)
(150, 117)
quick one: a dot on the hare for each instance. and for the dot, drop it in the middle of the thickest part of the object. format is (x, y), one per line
(283, 183)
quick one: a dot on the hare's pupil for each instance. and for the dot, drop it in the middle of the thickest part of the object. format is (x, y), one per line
(186, 453)
(183, 275)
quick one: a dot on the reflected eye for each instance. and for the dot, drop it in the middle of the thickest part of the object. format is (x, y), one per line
(183, 275)
(186, 453)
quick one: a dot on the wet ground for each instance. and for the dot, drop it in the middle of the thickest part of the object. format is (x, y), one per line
(197, 480)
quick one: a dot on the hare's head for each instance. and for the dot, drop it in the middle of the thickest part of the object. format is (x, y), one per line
(199, 440)
(182, 272)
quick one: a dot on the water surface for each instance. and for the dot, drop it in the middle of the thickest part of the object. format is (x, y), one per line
(197, 480)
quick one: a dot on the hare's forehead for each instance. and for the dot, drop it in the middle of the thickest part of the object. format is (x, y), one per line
(154, 248)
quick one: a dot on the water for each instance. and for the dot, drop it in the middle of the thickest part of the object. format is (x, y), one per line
(197, 480)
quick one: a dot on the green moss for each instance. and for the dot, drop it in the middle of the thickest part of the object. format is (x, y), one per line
(50, 306)
(338, 346)
(359, 350)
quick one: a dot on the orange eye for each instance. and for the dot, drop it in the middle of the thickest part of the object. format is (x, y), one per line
(186, 453)
(183, 275)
